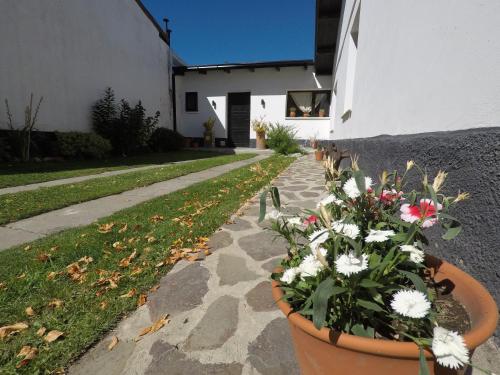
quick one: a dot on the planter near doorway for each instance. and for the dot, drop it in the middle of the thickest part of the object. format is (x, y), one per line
(328, 352)
(260, 140)
(318, 155)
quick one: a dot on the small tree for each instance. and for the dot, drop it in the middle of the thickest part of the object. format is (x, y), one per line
(104, 113)
(23, 136)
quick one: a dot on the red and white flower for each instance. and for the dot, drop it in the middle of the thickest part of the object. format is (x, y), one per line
(425, 211)
(311, 220)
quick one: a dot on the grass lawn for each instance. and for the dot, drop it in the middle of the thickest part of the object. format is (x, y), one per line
(15, 174)
(87, 308)
(25, 204)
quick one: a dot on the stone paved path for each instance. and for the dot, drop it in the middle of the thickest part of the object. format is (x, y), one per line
(85, 213)
(224, 320)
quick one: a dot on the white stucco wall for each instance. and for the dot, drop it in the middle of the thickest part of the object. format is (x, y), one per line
(421, 66)
(263, 83)
(70, 51)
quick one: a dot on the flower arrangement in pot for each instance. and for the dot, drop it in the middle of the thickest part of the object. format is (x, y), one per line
(260, 127)
(360, 294)
(208, 134)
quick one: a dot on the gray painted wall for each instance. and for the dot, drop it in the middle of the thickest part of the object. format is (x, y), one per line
(70, 51)
(472, 160)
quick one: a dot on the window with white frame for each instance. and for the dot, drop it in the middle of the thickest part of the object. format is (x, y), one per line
(310, 103)
(352, 55)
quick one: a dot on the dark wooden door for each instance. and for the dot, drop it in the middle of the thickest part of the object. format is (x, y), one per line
(238, 113)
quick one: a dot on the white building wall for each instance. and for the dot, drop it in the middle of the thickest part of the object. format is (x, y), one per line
(70, 51)
(266, 84)
(421, 66)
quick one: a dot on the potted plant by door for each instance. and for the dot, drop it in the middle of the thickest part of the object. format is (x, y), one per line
(360, 294)
(208, 136)
(319, 153)
(293, 111)
(259, 126)
(321, 112)
(313, 142)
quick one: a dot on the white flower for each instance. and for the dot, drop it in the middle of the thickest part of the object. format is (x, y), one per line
(411, 303)
(332, 198)
(379, 235)
(310, 266)
(290, 274)
(416, 255)
(449, 348)
(317, 238)
(351, 188)
(348, 230)
(295, 221)
(274, 214)
(349, 264)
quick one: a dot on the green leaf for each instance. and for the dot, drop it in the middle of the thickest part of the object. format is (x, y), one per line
(262, 213)
(433, 196)
(275, 196)
(452, 232)
(360, 181)
(359, 330)
(368, 283)
(416, 280)
(369, 305)
(423, 368)
(322, 294)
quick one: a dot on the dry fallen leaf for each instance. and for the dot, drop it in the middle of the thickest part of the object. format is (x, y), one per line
(130, 293)
(103, 305)
(118, 246)
(53, 336)
(86, 259)
(136, 271)
(106, 228)
(27, 248)
(113, 343)
(41, 331)
(125, 262)
(155, 326)
(43, 257)
(154, 288)
(123, 229)
(75, 272)
(156, 218)
(21, 276)
(28, 353)
(142, 299)
(29, 311)
(3, 286)
(12, 329)
(55, 303)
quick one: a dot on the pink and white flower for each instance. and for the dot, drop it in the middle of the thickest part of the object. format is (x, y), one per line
(310, 220)
(425, 211)
(388, 197)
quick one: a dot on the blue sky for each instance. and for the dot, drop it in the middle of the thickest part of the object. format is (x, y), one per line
(219, 31)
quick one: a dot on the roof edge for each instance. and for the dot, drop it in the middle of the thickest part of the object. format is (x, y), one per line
(252, 65)
(161, 32)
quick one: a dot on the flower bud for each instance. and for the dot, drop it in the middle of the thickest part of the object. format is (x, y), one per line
(325, 216)
(383, 178)
(354, 163)
(409, 165)
(439, 181)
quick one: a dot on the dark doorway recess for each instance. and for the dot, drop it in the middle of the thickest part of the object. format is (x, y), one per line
(238, 117)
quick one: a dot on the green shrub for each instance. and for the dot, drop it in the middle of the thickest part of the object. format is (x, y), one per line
(127, 128)
(164, 139)
(281, 139)
(82, 145)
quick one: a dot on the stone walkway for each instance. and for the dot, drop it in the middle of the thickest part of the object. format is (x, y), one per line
(86, 213)
(224, 320)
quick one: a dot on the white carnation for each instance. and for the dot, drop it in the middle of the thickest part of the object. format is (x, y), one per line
(411, 303)
(348, 230)
(351, 188)
(310, 266)
(449, 348)
(332, 198)
(274, 214)
(295, 221)
(416, 255)
(379, 235)
(290, 274)
(349, 264)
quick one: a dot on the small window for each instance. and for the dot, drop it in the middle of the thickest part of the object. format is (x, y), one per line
(308, 103)
(191, 102)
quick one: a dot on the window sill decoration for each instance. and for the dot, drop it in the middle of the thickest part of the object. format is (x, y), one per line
(360, 294)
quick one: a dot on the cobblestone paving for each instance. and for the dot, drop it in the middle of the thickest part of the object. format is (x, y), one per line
(224, 320)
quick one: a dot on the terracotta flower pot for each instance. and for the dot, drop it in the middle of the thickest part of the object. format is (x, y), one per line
(261, 140)
(321, 113)
(318, 155)
(293, 113)
(328, 352)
